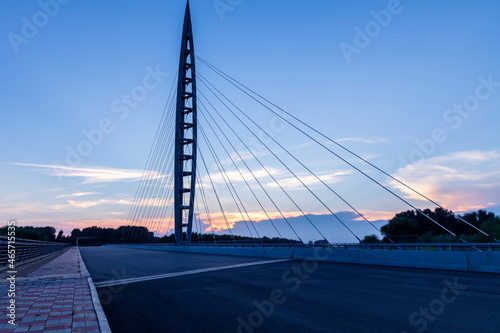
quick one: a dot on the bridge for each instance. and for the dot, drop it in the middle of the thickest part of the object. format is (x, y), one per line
(289, 283)
(287, 273)
(237, 172)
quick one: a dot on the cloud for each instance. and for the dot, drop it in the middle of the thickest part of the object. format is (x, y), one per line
(292, 182)
(219, 223)
(327, 224)
(373, 215)
(22, 208)
(235, 177)
(352, 139)
(87, 204)
(245, 155)
(364, 140)
(150, 202)
(93, 174)
(303, 145)
(460, 181)
(75, 194)
(30, 207)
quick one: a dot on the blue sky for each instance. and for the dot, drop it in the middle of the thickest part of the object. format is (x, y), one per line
(419, 96)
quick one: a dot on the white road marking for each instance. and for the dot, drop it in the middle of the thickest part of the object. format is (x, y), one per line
(169, 275)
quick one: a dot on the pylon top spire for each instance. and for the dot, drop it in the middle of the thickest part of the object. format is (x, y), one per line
(187, 14)
(185, 135)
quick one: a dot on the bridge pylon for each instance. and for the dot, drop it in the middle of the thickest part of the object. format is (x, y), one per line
(185, 136)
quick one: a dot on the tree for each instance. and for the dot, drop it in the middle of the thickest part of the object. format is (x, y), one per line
(46, 234)
(411, 226)
(371, 239)
(401, 229)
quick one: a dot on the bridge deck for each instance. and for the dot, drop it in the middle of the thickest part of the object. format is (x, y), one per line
(289, 296)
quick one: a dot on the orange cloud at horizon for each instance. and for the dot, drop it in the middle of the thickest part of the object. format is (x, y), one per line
(372, 215)
(462, 181)
(219, 223)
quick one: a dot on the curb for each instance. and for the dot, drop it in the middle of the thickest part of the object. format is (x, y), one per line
(101, 317)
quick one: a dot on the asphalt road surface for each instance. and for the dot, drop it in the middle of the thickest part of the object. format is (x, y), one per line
(286, 296)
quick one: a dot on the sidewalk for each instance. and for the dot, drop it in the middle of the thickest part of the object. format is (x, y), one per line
(53, 298)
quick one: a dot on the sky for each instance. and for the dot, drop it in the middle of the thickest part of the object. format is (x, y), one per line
(412, 86)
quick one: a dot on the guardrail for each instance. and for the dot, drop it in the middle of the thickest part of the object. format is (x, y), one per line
(352, 246)
(26, 249)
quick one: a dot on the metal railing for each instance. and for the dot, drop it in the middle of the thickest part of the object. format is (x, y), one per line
(352, 246)
(26, 249)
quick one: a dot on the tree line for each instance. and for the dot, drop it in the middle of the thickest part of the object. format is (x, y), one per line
(45, 234)
(413, 227)
(128, 234)
(405, 227)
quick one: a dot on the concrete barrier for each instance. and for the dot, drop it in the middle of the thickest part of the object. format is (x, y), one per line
(456, 260)
(488, 262)
(323, 254)
(484, 262)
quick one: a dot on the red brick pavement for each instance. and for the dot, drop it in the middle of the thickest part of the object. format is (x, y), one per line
(54, 298)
